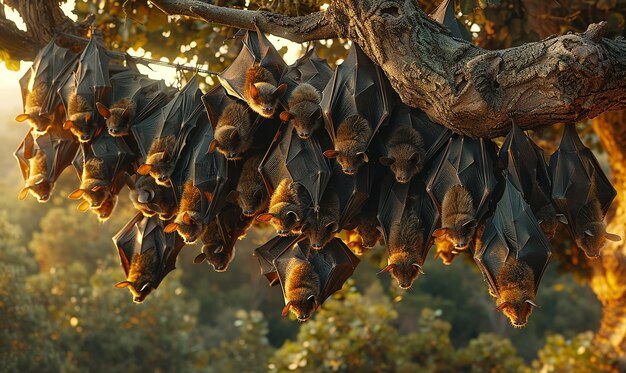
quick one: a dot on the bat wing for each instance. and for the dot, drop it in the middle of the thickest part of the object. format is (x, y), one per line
(445, 15)
(334, 265)
(126, 84)
(151, 98)
(353, 190)
(24, 152)
(428, 215)
(393, 197)
(184, 115)
(310, 69)
(215, 102)
(271, 250)
(256, 48)
(113, 151)
(92, 74)
(526, 168)
(358, 86)
(577, 178)
(468, 162)
(491, 255)
(273, 167)
(60, 148)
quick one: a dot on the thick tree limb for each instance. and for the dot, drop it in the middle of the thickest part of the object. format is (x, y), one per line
(297, 29)
(16, 42)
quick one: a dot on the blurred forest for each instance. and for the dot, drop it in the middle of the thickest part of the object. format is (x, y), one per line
(59, 310)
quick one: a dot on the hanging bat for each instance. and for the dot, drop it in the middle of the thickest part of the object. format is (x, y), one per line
(189, 222)
(42, 105)
(87, 86)
(445, 15)
(251, 194)
(307, 281)
(355, 103)
(578, 183)
(513, 255)
(368, 230)
(152, 199)
(147, 255)
(300, 161)
(305, 79)
(253, 75)
(320, 226)
(270, 251)
(42, 158)
(464, 178)
(134, 98)
(183, 115)
(289, 205)
(524, 165)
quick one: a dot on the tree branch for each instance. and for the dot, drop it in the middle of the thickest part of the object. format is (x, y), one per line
(15, 42)
(297, 29)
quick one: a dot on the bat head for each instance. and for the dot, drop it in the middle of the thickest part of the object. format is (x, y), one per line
(93, 191)
(142, 275)
(160, 166)
(139, 290)
(516, 306)
(404, 269)
(252, 202)
(405, 161)
(305, 117)
(264, 98)
(219, 256)
(117, 118)
(39, 186)
(349, 161)
(106, 209)
(593, 238)
(445, 250)
(319, 231)
(230, 143)
(285, 219)
(301, 305)
(460, 235)
(83, 126)
(39, 123)
(548, 220)
(189, 226)
(367, 229)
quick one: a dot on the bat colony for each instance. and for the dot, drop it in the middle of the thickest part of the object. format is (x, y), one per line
(300, 147)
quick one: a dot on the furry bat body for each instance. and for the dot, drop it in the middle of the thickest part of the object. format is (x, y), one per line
(33, 107)
(288, 208)
(351, 143)
(94, 188)
(234, 132)
(301, 289)
(406, 155)
(458, 218)
(516, 285)
(252, 195)
(367, 228)
(81, 118)
(214, 250)
(152, 199)
(305, 113)
(261, 91)
(591, 235)
(37, 183)
(159, 162)
(320, 228)
(189, 222)
(141, 279)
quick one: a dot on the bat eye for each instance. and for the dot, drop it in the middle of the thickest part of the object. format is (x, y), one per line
(85, 137)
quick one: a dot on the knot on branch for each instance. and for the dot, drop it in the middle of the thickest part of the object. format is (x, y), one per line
(596, 31)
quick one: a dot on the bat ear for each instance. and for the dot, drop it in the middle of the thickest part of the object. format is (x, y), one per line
(122, 284)
(218, 250)
(386, 161)
(363, 156)
(234, 134)
(503, 306)
(316, 114)
(295, 214)
(286, 309)
(212, 146)
(416, 157)
(199, 258)
(387, 269)
(144, 287)
(312, 299)
(87, 117)
(84, 206)
(418, 268)
(23, 194)
(171, 227)
(187, 219)
(286, 116)
(589, 233)
(144, 169)
(265, 217)
(333, 227)
(233, 196)
(97, 188)
(470, 223)
(76, 194)
(612, 237)
(280, 91)
(562, 218)
(103, 110)
(209, 196)
(331, 153)
(22, 117)
(532, 303)
(254, 92)
(440, 232)
(68, 125)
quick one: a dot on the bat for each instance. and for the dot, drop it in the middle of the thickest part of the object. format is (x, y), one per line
(512, 241)
(297, 160)
(134, 98)
(289, 205)
(251, 194)
(39, 85)
(367, 228)
(320, 226)
(152, 199)
(467, 165)
(323, 272)
(578, 182)
(147, 254)
(258, 50)
(49, 153)
(82, 90)
(445, 15)
(524, 165)
(358, 89)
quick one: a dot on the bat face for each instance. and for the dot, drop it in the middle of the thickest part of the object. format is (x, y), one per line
(151, 198)
(517, 306)
(285, 220)
(81, 125)
(349, 161)
(118, 123)
(106, 209)
(41, 188)
(403, 271)
(189, 226)
(220, 257)
(318, 232)
(460, 236)
(306, 118)
(445, 250)
(161, 169)
(141, 275)
(403, 164)
(253, 203)
(264, 98)
(302, 308)
(39, 123)
(369, 234)
(230, 143)
(594, 238)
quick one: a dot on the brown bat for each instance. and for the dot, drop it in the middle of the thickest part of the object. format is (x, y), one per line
(37, 183)
(406, 154)
(141, 275)
(106, 209)
(301, 289)
(188, 222)
(445, 250)
(32, 108)
(81, 118)
(405, 240)
(320, 227)
(458, 218)
(305, 113)
(118, 116)
(234, 132)
(213, 249)
(94, 189)
(152, 199)
(353, 135)
(516, 286)
(261, 91)
(159, 163)
(592, 235)
(367, 228)
(251, 193)
(288, 207)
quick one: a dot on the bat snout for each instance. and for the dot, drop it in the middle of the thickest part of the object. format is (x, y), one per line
(316, 245)
(349, 171)
(44, 198)
(304, 135)
(283, 232)
(405, 285)
(303, 318)
(461, 246)
(248, 213)
(402, 179)
(85, 138)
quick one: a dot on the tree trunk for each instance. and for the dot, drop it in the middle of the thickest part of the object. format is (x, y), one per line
(608, 279)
